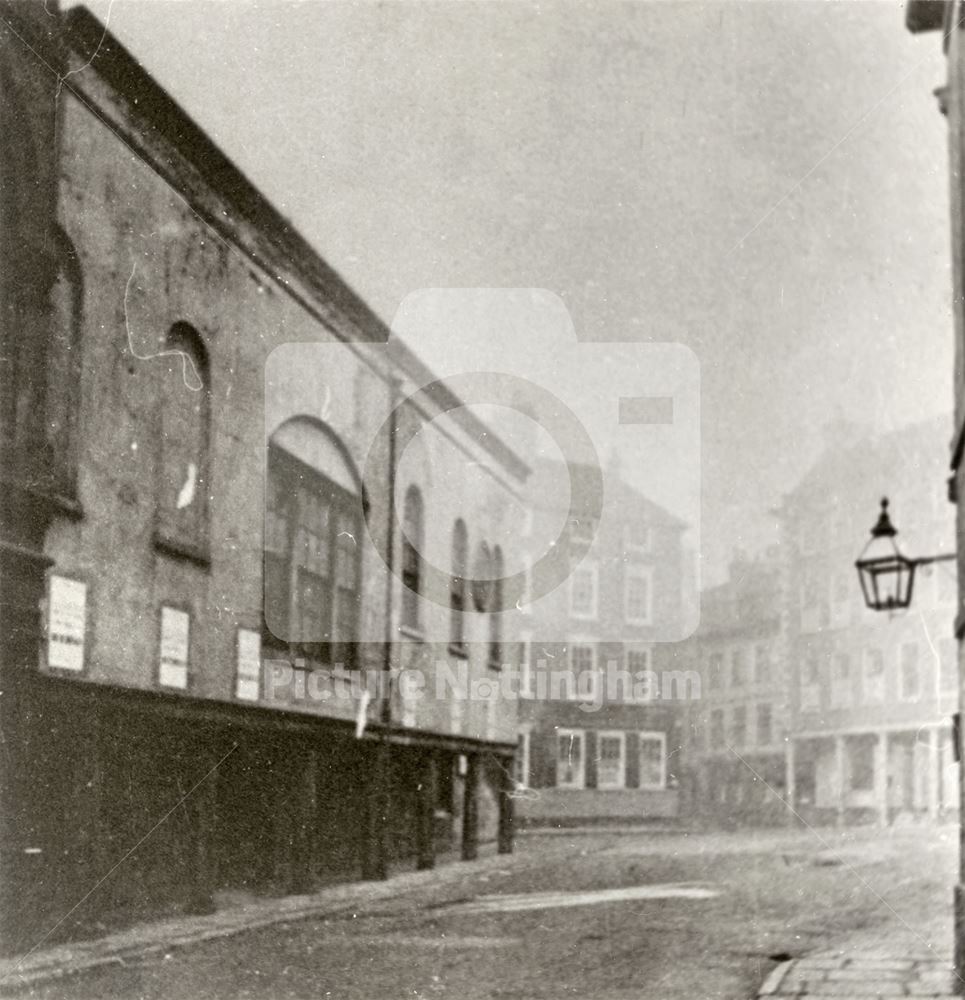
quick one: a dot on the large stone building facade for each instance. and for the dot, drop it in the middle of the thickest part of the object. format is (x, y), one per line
(872, 695)
(213, 689)
(813, 708)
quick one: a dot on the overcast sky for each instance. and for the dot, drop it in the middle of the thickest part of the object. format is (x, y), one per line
(763, 183)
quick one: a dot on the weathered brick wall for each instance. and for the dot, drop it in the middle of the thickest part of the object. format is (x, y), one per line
(157, 245)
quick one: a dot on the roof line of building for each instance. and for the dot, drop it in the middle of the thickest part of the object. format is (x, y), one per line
(148, 100)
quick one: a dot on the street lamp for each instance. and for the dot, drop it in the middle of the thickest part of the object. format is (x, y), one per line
(888, 577)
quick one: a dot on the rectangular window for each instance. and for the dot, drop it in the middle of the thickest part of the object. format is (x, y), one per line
(638, 659)
(762, 664)
(311, 563)
(861, 758)
(765, 732)
(811, 683)
(738, 674)
(840, 680)
(738, 726)
(643, 684)
(873, 675)
(248, 678)
(639, 595)
(175, 643)
(583, 582)
(611, 760)
(570, 762)
(910, 672)
(717, 729)
(583, 675)
(653, 760)
(522, 759)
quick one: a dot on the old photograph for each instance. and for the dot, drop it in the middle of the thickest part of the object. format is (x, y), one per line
(479, 499)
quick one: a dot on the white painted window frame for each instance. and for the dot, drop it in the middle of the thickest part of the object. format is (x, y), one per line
(581, 781)
(601, 735)
(586, 567)
(572, 692)
(653, 736)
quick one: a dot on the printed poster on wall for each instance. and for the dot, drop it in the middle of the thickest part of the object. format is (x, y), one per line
(66, 623)
(249, 665)
(175, 628)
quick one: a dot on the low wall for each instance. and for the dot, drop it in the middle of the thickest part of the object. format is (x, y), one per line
(590, 805)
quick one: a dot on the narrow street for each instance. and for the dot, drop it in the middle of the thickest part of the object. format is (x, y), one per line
(602, 915)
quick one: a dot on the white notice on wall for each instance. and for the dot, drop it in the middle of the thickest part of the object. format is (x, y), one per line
(175, 629)
(249, 665)
(66, 623)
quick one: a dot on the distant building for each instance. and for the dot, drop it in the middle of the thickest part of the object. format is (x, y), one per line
(599, 720)
(872, 695)
(814, 708)
(193, 537)
(737, 736)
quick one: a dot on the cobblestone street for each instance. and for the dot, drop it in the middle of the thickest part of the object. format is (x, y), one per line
(602, 915)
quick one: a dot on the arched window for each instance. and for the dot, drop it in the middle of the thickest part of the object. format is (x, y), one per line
(63, 364)
(495, 610)
(185, 408)
(313, 528)
(457, 586)
(412, 543)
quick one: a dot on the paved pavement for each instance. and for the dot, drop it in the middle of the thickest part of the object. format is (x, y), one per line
(600, 915)
(860, 977)
(162, 937)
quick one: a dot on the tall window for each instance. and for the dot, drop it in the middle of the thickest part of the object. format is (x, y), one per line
(583, 588)
(495, 612)
(910, 677)
(840, 680)
(653, 760)
(764, 724)
(762, 664)
(64, 364)
(413, 537)
(873, 675)
(185, 404)
(717, 729)
(739, 725)
(583, 677)
(639, 595)
(811, 682)
(611, 760)
(861, 754)
(570, 761)
(313, 523)
(738, 673)
(457, 587)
